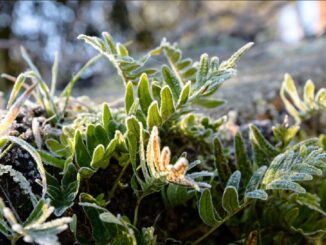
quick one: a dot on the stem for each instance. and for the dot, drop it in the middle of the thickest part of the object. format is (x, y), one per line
(6, 150)
(219, 224)
(137, 209)
(116, 182)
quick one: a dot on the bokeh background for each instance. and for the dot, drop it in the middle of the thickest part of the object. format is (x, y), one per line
(288, 36)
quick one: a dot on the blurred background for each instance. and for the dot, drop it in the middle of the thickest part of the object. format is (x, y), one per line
(289, 37)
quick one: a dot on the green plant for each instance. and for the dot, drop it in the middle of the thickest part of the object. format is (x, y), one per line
(105, 169)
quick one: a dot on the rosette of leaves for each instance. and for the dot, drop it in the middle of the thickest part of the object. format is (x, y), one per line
(89, 145)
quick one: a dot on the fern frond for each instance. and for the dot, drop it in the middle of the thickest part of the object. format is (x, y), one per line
(128, 68)
(299, 163)
(302, 109)
(36, 230)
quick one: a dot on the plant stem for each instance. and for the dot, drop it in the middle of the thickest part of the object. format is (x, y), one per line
(116, 182)
(6, 150)
(137, 209)
(220, 223)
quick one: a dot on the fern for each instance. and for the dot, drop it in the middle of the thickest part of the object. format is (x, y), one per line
(302, 109)
(128, 68)
(35, 229)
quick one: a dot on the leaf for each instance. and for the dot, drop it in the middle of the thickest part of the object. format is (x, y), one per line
(57, 148)
(63, 194)
(257, 194)
(144, 95)
(15, 90)
(231, 62)
(242, 159)
(51, 160)
(309, 93)
(285, 185)
(202, 70)
(309, 200)
(153, 116)
(82, 156)
(257, 137)
(221, 162)
(167, 105)
(97, 157)
(129, 96)
(106, 116)
(208, 103)
(256, 179)
(177, 195)
(184, 94)
(108, 217)
(206, 209)
(172, 82)
(230, 199)
(298, 163)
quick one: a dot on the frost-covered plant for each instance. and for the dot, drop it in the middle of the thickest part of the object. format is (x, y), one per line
(104, 170)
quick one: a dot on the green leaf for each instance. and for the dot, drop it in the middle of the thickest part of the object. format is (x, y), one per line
(184, 94)
(291, 89)
(172, 82)
(285, 185)
(208, 103)
(156, 91)
(207, 212)
(242, 159)
(108, 217)
(51, 160)
(144, 95)
(63, 194)
(230, 199)
(257, 194)
(57, 148)
(177, 195)
(321, 98)
(221, 162)
(106, 116)
(202, 71)
(15, 90)
(97, 157)
(102, 233)
(231, 62)
(82, 156)
(256, 179)
(153, 116)
(101, 135)
(309, 94)
(167, 105)
(86, 172)
(257, 137)
(312, 201)
(129, 96)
